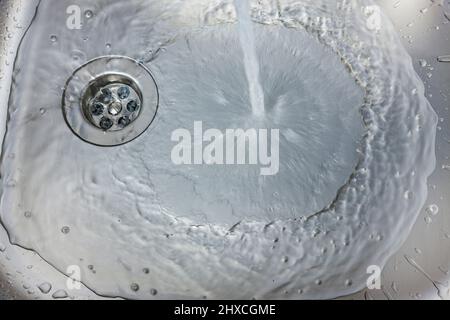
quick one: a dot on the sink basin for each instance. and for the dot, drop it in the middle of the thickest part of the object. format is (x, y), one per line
(101, 103)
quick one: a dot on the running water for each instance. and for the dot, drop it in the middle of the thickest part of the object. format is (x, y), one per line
(351, 182)
(247, 40)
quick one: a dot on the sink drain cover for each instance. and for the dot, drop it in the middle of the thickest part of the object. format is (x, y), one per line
(110, 101)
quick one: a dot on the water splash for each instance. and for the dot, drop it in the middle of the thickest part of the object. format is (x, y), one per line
(247, 40)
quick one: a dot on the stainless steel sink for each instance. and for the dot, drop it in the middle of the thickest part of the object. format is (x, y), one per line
(419, 270)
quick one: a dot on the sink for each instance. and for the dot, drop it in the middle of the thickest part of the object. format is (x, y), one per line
(122, 175)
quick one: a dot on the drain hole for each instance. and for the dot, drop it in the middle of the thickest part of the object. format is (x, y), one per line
(116, 106)
(105, 99)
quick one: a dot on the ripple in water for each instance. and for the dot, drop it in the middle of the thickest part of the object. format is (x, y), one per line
(356, 136)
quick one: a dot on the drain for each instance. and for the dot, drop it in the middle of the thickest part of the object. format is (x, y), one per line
(109, 108)
(106, 102)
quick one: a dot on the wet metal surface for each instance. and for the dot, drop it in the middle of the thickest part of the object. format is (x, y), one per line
(420, 270)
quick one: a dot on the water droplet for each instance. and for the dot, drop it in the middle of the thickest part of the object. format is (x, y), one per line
(60, 294)
(27, 214)
(65, 230)
(153, 292)
(45, 287)
(53, 38)
(432, 209)
(444, 270)
(134, 287)
(88, 14)
(146, 270)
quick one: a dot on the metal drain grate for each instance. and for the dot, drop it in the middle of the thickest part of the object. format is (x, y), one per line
(110, 100)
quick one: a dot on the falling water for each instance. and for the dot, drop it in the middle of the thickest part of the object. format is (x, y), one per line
(247, 39)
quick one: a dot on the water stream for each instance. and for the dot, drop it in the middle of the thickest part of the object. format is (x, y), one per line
(251, 59)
